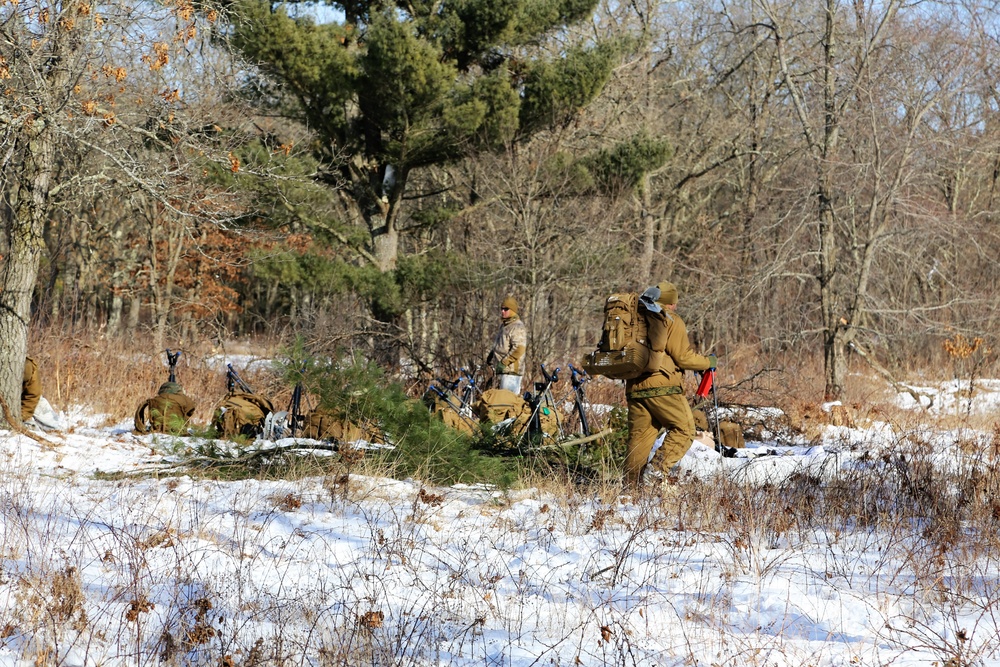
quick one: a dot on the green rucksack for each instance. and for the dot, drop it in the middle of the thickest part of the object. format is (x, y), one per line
(241, 414)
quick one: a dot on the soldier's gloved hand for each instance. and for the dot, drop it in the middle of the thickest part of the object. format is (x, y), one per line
(713, 362)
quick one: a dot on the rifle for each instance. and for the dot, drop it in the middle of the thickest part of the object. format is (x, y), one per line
(577, 378)
(448, 395)
(172, 358)
(233, 380)
(543, 391)
(469, 392)
(298, 420)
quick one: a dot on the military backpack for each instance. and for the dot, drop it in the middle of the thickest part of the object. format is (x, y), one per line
(446, 412)
(167, 412)
(326, 424)
(623, 353)
(499, 406)
(241, 413)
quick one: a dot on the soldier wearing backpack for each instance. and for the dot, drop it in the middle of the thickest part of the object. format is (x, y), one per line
(170, 410)
(656, 397)
(167, 412)
(509, 346)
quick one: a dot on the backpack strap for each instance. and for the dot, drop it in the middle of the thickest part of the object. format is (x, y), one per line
(261, 402)
(141, 415)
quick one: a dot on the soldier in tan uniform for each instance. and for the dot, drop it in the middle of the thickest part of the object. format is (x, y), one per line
(509, 347)
(31, 389)
(656, 398)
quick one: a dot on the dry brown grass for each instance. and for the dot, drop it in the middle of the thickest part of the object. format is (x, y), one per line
(113, 376)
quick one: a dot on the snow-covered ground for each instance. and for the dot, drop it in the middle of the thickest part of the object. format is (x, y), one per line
(139, 571)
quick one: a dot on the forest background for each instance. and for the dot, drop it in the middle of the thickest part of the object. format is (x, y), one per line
(819, 179)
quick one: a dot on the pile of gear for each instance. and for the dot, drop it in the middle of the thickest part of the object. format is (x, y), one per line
(243, 413)
(529, 418)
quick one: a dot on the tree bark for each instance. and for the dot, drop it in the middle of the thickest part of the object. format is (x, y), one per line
(19, 270)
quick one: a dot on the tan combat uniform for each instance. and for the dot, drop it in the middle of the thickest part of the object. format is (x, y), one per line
(31, 389)
(656, 399)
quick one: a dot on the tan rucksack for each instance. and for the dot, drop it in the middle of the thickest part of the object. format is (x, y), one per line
(241, 414)
(548, 422)
(732, 435)
(326, 424)
(623, 353)
(167, 412)
(496, 405)
(447, 413)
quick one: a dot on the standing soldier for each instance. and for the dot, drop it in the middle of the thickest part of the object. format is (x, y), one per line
(509, 346)
(656, 398)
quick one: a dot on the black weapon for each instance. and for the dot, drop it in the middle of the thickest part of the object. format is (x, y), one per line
(469, 392)
(727, 452)
(233, 380)
(298, 420)
(578, 377)
(543, 391)
(708, 384)
(446, 392)
(172, 358)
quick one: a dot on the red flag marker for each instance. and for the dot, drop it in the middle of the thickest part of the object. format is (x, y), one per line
(707, 380)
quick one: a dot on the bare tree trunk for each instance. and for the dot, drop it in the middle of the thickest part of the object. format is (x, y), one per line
(20, 268)
(162, 266)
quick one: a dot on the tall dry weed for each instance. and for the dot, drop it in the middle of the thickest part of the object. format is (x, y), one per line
(113, 376)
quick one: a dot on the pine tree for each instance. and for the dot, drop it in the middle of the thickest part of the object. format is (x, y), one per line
(393, 88)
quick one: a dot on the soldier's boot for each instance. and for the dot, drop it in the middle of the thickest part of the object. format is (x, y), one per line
(651, 478)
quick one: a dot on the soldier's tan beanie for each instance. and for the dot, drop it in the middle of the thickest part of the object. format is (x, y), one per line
(510, 303)
(668, 293)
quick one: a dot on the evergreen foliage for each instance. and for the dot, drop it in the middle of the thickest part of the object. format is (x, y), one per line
(392, 88)
(624, 166)
(555, 90)
(424, 446)
(609, 171)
